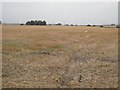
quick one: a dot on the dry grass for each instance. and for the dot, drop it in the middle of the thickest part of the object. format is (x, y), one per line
(59, 56)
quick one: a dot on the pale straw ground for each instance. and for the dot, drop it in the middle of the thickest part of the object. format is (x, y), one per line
(59, 56)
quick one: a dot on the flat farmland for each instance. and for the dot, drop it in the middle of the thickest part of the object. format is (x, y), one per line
(59, 57)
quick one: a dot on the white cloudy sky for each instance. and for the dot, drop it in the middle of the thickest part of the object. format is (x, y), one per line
(71, 12)
(60, 0)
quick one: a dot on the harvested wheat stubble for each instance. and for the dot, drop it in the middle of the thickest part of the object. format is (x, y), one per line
(59, 56)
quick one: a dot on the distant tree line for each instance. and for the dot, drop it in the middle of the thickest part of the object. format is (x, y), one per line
(36, 22)
(40, 22)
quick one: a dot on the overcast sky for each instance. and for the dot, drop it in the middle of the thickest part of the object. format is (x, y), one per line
(64, 12)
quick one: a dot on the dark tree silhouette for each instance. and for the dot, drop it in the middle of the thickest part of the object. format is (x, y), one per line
(44, 22)
(35, 22)
(28, 23)
(71, 25)
(21, 24)
(58, 24)
(88, 25)
(39, 22)
(101, 25)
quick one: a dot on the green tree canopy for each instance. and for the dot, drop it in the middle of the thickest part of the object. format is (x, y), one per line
(36, 22)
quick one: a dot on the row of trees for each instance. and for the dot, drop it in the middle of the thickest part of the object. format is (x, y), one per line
(40, 22)
(36, 22)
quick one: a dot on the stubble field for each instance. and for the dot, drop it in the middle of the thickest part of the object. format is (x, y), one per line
(59, 56)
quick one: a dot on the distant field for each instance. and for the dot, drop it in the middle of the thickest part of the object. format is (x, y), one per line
(59, 56)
